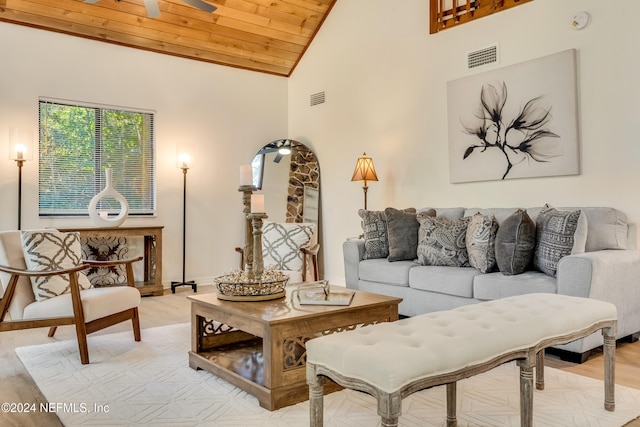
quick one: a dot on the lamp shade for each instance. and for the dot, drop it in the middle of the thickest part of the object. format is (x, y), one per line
(21, 144)
(364, 169)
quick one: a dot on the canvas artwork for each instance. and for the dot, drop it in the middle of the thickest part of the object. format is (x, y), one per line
(519, 121)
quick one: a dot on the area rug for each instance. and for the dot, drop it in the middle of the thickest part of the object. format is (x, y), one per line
(150, 383)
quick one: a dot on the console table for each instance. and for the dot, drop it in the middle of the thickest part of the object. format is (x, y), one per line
(152, 283)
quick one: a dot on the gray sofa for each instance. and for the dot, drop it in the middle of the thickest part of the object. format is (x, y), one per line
(608, 270)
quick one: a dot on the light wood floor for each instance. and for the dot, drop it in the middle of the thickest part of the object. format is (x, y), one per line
(17, 386)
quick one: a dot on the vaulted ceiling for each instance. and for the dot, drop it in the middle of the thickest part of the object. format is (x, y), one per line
(268, 36)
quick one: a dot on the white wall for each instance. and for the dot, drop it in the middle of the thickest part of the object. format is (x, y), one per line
(227, 114)
(385, 81)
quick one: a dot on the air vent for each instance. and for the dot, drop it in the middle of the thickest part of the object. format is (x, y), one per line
(317, 98)
(484, 56)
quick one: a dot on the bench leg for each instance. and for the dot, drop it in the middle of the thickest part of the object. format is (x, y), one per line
(609, 350)
(540, 370)
(451, 405)
(389, 408)
(316, 397)
(526, 393)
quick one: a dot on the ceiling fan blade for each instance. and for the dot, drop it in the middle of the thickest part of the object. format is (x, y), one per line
(278, 158)
(153, 10)
(204, 6)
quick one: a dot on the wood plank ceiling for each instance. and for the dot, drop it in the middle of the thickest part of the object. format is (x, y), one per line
(268, 36)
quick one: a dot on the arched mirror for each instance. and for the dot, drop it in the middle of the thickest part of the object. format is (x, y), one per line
(288, 174)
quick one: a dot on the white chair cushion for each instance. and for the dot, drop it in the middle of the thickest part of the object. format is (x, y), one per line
(96, 303)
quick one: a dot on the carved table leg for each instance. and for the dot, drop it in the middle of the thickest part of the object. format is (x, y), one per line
(540, 370)
(609, 368)
(389, 408)
(526, 393)
(451, 405)
(316, 397)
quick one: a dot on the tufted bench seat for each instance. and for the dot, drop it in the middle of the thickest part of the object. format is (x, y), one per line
(393, 360)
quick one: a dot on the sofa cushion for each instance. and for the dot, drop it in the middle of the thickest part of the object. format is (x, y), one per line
(446, 213)
(515, 242)
(383, 271)
(496, 285)
(607, 228)
(52, 250)
(556, 238)
(374, 228)
(481, 239)
(402, 233)
(442, 242)
(456, 281)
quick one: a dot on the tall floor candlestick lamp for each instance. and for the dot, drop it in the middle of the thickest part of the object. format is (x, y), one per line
(20, 142)
(183, 162)
(364, 172)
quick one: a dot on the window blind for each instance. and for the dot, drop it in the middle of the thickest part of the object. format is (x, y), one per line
(78, 142)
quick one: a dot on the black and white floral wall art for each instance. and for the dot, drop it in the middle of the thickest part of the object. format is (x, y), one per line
(519, 121)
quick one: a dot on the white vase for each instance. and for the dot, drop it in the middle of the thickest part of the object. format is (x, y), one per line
(103, 220)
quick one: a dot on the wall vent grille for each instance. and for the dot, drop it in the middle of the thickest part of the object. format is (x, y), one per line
(317, 98)
(484, 56)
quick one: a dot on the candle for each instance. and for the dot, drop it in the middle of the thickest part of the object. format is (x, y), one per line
(257, 203)
(246, 175)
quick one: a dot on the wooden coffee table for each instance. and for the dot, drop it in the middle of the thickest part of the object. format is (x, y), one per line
(260, 346)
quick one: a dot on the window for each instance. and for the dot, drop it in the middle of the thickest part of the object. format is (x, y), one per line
(449, 13)
(78, 142)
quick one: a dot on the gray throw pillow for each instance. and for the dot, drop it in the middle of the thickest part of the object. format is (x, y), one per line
(442, 242)
(555, 237)
(481, 239)
(515, 243)
(374, 228)
(402, 233)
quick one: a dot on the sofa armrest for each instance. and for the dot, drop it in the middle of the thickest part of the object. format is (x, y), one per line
(606, 275)
(353, 252)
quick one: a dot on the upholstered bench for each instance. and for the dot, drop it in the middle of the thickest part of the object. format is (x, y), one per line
(393, 360)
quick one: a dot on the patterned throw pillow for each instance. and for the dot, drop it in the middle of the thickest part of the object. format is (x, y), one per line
(374, 227)
(402, 230)
(515, 242)
(442, 242)
(281, 243)
(52, 250)
(481, 239)
(105, 249)
(555, 237)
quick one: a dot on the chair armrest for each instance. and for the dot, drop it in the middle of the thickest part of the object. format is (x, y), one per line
(33, 273)
(127, 263)
(311, 250)
(17, 272)
(97, 263)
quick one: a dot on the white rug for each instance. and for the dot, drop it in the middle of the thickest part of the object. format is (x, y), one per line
(150, 383)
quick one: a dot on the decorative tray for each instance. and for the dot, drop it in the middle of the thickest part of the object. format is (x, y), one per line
(320, 293)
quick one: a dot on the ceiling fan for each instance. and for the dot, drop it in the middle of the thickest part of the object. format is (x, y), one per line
(153, 10)
(282, 146)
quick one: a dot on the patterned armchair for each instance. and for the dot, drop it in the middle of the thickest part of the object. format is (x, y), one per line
(42, 278)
